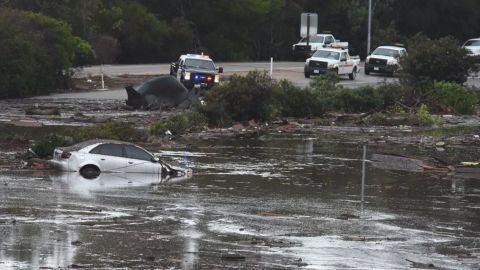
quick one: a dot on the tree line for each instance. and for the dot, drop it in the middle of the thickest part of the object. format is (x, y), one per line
(139, 31)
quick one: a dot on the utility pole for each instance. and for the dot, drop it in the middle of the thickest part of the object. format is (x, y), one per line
(369, 26)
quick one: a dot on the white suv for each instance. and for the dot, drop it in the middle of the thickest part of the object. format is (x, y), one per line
(473, 47)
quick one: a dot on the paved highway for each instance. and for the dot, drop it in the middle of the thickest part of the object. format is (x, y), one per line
(292, 71)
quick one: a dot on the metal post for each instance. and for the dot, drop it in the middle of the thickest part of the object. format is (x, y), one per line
(363, 175)
(308, 30)
(103, 82)
(369, 26)
(271, 67)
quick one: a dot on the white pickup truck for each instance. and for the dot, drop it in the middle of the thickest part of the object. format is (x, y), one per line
(330, 60)
(316, 42)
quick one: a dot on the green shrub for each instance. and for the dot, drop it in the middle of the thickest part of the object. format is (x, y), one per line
(179, 123)
(36, 52)
(241, 99)
(431, 60)
(424, 118)
(454, 97)
(331, 97)
(292, 101)
(44, 146)
(110, 130)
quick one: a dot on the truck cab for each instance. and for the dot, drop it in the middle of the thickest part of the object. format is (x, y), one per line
(384, 59)
(316, 42)
(332, 60)
(196, 71)
(473, 48)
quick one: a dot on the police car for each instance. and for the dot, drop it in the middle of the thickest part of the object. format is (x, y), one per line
(196, 71)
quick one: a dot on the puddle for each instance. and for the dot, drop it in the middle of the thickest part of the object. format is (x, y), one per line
(271, 203)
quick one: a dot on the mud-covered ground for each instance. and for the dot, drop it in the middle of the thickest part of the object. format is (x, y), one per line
(277, 201)
(282, 196)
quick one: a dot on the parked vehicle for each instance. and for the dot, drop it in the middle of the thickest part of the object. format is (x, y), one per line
(90, 158)
(473, 48)
(196, 71)
(316, 42)
(337, 61)
(384, 59)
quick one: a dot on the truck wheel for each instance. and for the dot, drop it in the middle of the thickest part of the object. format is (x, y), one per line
(335, 71)
(352, 75)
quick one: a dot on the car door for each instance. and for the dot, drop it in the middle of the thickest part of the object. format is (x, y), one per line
(140, 161)
(110, 157)
(344, 66)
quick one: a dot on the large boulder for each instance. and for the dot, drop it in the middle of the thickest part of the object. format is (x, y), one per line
(158, 93)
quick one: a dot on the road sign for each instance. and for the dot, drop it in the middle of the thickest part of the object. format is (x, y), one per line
(308, 24)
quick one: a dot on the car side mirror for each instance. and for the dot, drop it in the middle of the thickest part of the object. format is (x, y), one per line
(155, 159)
(343, 59)
(220, 70)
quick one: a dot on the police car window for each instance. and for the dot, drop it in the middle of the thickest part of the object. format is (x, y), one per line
(137, 153)
(109, 149)
(343, 57)
(199, 63)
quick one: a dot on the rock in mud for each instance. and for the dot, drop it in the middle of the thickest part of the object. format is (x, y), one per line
(158, 93)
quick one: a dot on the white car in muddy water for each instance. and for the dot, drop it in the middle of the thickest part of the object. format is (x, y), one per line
(90, 158)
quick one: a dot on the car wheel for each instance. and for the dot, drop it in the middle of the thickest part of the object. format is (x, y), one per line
(367, 71)
(307, 75)
(90, 171)
(352, 75)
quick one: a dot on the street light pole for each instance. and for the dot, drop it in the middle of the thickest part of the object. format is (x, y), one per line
(369, 25)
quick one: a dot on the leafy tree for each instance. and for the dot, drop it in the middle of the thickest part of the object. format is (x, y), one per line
(431, 60)
(37, 53)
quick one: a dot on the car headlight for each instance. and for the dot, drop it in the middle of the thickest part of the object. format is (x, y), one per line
(187, 76)
(331, 65)
(391, 62)
(367, 60)
(217, 79)
(307, 61)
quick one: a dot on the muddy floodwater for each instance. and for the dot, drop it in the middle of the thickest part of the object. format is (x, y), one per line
(274, 202)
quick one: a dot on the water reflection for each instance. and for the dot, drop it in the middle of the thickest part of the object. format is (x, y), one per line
(304, 151)
(76, 183)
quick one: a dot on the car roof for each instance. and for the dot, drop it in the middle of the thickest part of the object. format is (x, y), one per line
(391, 47)
(84, 144)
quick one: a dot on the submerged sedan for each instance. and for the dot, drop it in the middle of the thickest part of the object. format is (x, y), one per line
(90, 158)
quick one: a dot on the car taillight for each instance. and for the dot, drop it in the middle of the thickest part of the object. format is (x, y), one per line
(209, 78)
(65, 155)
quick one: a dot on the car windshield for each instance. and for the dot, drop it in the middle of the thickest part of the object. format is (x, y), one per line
(386, 52)
(327, 54)
(313, 39)
(472, 43)
(199, 63)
